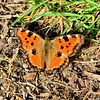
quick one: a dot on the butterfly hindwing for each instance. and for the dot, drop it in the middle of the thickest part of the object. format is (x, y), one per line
(56, 60)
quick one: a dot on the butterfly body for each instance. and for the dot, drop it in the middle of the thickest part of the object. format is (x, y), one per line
(49, 54)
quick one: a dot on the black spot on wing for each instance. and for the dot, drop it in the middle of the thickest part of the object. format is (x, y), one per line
(59, 54)
(33, 51)
(60, 40)
(65, 38)
(35, 37)
(32, 44)
(30, 34)
(27, 41)
(62, 47)
(25, 38)
(69, 43)
(23, 30)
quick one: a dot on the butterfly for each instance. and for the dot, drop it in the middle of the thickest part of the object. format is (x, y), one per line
(49, 54)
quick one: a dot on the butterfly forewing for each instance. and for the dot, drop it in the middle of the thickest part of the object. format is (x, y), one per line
(29, 40)
(68, 44)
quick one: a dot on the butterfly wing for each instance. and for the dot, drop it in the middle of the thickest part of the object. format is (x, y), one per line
(56, 59)
(28, 39)
(68, 44)
(37, 58)
(63, 47)
(34, 45)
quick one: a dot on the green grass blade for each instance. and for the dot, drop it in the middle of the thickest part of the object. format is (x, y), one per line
(59, 14)
(26, 13)
(92, 39)
(82, 23)
(92, 2)
(51, 26)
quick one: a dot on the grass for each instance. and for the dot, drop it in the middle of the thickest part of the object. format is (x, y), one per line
(83, 13)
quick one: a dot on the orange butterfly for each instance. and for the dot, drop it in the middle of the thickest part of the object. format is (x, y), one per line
(49, 54)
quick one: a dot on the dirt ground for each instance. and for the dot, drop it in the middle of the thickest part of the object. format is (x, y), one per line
(80, 80)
